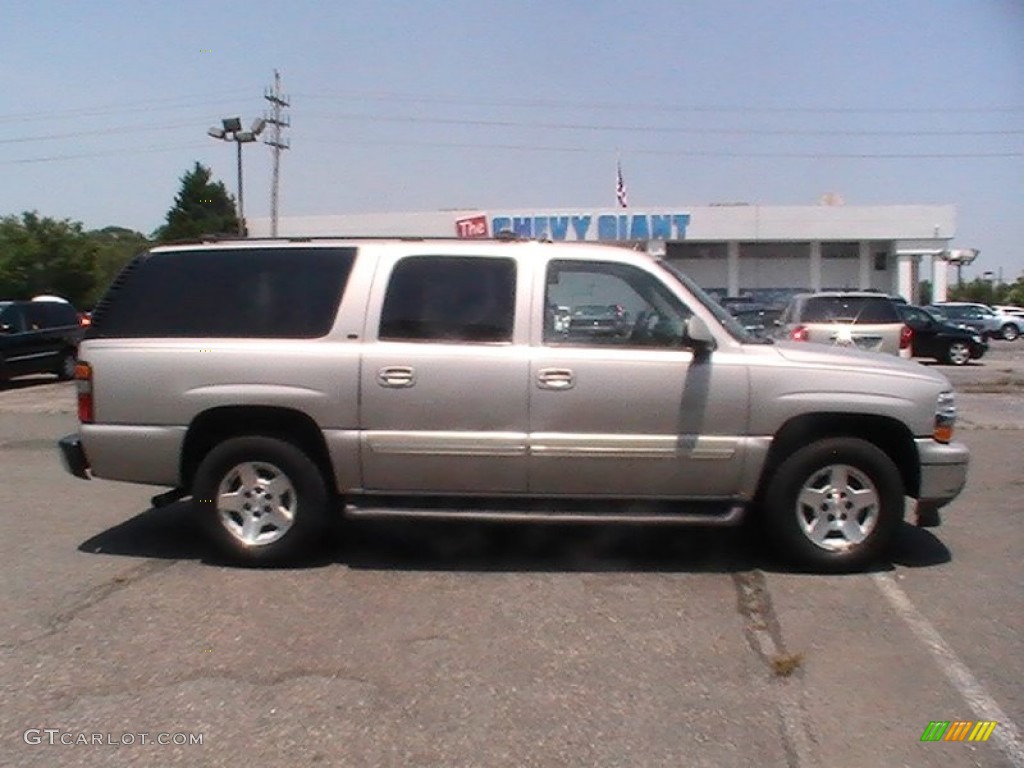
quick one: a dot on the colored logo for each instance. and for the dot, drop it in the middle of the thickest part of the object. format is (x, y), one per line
(472, 228)
(959, 730)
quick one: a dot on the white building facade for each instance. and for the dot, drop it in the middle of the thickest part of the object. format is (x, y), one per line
(729, 249)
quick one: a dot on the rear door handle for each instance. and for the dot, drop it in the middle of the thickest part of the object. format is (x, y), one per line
(556, 378)
(396, 376)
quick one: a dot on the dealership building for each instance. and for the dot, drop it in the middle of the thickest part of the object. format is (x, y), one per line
(729, 248)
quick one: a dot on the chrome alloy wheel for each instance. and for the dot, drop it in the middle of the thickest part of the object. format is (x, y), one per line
(837, 507)
(256, 503)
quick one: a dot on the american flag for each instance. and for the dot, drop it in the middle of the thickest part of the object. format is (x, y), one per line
(620, 188)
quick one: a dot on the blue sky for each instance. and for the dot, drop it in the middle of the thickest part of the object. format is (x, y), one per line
(414, 105)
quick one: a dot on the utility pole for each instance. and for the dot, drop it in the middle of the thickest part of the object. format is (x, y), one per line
(279, 121)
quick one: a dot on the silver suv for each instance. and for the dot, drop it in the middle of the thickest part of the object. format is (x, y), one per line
(859, 319)
(277, 382)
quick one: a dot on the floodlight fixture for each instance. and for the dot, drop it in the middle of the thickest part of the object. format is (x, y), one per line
(232, 131)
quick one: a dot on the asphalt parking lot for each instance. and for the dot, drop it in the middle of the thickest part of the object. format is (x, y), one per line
(469, 645)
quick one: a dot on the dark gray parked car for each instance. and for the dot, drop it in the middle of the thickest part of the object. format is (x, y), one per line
(38, 337)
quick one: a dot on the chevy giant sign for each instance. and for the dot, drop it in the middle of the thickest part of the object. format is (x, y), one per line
(601, 226)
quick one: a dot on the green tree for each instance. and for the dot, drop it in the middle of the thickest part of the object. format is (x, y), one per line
(115, 247)
(44, 255)
(924, 292)
(202, 207)
(979, 291)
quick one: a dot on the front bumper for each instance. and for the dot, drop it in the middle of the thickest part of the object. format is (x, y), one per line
(72, 456)
(943, 471)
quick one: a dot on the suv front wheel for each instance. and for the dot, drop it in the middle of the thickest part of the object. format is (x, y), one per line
(262, 499)
(834, 505)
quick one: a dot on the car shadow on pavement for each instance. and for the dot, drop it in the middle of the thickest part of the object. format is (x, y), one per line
(918, 548)
(175, 533)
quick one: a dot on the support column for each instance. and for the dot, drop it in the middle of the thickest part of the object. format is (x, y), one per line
(815, 265)
(905, 275)
(732, 257)
(940, 278)
(864, 261)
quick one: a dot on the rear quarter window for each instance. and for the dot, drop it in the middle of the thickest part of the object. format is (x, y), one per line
(290, 293)
(849, 309)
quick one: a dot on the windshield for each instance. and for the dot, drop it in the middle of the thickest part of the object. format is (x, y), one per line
(730, 323)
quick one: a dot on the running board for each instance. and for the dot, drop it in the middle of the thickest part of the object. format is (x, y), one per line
(698, 514)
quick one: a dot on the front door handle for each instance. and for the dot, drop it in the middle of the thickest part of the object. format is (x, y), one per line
(396, 376)
(556, 378)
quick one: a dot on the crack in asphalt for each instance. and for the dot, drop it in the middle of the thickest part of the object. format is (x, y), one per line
(764, 635)
(92, 597)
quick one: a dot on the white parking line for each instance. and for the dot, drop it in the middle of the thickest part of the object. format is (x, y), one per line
(1006, 735)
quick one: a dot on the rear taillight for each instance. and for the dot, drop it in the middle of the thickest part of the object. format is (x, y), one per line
(906, 336)
(83, 381)
(800, 333)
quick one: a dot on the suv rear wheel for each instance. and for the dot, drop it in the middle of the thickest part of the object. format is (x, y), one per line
(834, 505)
(263, 500)
(1009, 332)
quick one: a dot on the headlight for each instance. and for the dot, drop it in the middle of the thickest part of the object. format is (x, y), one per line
(945, 417)
(977, 339)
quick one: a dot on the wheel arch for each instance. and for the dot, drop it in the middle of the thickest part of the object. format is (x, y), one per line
(889, 435)
(211, 427)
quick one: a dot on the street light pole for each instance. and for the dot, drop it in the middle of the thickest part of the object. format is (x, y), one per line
(232, 131)
(241, 201)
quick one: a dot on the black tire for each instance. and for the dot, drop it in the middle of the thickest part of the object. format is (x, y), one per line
(785, 519)
(300, 511)
(66, 365)
(1009, 332)
(958, 353)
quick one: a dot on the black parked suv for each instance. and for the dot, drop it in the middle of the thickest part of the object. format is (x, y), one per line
(936, 337)
(38, 337)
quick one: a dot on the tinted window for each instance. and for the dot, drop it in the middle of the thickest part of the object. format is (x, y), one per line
(290, 293)
(444, 298)
(849, 309)
(51, 314)
(11, 315)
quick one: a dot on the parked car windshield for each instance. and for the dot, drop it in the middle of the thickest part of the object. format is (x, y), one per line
(730, 323)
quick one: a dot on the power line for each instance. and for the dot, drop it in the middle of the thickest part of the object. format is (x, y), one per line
(106, 153)
(114, 109)
(658, 129)
(686, 153)
(100, 132)
(349, 96)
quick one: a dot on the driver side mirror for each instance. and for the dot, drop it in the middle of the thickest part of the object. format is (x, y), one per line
(698, 335)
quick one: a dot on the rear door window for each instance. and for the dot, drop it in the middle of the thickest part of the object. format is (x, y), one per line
(289, 293)
(446, 298)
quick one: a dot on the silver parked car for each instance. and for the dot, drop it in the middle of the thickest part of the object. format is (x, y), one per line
(279, 382)
(982, 318)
